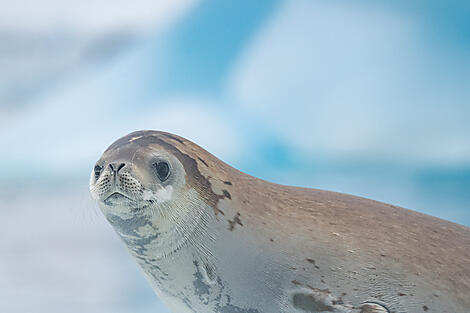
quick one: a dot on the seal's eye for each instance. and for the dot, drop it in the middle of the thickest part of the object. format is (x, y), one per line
(97, 171)
(163, 170)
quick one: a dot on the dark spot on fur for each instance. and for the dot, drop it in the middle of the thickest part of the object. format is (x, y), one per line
(309, 303)
(425, 308)
(228, 183)
(173, 137)
(204, 162)
(126, 229)
(296, 282)
(227, 194)
(201, 289)
(270, 239)
(401, 294)
(313, 262)
(323, 291)
(232, 223)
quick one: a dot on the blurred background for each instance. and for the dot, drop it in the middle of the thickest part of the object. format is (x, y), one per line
(368, 98)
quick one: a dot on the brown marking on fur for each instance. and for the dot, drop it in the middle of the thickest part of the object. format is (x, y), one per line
(236, 220)
(314, 301)
(204, 162)
(194, 176)
(227, 194)
(173, 137)
(312, 261)
(319, 290)
(311, 303)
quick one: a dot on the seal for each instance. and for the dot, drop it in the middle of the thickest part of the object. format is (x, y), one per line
(210, 238)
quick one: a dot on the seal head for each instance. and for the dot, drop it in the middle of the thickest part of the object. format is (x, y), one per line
(141, 187)
(132, 174)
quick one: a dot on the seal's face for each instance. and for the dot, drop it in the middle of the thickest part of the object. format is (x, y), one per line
(142, 184)
(133, 174)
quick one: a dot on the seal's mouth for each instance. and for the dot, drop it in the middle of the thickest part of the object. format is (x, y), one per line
(117, 198)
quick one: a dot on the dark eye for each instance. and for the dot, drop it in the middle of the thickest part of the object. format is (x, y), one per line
(163, 170)
(97, 171)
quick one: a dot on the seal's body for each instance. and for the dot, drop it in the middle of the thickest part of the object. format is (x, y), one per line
(212, 239)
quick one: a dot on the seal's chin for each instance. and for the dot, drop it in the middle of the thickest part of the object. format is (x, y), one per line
(117, 198)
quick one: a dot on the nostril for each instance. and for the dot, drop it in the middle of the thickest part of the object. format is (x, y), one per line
(116, 168)
(120, 166)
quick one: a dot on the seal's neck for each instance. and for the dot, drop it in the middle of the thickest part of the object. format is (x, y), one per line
(172, 243)
(155, 233)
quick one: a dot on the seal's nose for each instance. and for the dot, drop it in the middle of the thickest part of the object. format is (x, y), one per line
(116, 167)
